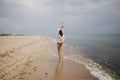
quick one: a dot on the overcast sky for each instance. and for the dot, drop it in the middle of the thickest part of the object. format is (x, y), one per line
(45, 16)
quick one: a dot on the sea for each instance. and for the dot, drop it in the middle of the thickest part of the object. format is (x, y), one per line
(99, 53)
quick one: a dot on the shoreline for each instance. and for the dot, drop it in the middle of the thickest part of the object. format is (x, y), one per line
(28, 58)
(71, 70)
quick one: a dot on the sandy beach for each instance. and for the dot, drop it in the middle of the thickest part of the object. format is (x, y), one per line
(28, 58)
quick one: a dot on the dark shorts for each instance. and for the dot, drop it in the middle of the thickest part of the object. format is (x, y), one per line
(60, 44)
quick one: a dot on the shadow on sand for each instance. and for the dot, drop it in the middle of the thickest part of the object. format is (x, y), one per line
(58, 70)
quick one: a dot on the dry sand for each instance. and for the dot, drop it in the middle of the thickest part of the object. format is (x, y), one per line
(28, 58)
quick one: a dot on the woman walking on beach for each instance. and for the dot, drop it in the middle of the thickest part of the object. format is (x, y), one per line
(60, 40)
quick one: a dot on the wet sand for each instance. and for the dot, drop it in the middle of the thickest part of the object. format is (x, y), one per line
(28, 58)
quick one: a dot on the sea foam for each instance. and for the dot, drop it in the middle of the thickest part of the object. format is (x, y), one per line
(96, 69)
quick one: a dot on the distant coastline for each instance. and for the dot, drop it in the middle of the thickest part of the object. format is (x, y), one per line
(4, 34)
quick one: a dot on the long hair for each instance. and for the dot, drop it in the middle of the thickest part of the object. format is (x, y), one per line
(61, 33)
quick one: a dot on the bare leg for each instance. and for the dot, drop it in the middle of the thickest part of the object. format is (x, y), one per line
(58, 47)
(62, 52)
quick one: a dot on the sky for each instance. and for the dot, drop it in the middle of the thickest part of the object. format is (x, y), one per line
(45, 16)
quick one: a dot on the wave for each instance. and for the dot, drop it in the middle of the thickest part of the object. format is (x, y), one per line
(95, 69)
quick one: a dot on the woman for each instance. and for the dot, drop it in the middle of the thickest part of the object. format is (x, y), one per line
(60, 40)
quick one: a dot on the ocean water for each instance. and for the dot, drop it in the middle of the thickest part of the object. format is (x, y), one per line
(99, 53)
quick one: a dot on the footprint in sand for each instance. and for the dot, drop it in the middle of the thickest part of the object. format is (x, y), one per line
(35, 68)
(46, 74)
